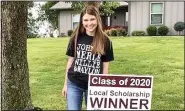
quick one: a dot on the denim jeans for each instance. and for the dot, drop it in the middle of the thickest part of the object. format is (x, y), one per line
(75, 96)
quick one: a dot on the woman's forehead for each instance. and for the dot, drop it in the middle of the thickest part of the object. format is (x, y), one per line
(87, 16)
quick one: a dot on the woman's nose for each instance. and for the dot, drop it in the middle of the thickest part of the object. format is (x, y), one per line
(90, 23)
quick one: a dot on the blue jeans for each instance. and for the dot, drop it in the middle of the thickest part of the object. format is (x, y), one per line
(75, 96)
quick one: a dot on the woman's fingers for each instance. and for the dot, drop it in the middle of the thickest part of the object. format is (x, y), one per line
(64, 92)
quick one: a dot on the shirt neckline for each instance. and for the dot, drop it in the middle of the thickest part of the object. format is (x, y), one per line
(88, 35)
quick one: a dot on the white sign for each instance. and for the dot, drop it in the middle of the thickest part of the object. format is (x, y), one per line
(119, 92)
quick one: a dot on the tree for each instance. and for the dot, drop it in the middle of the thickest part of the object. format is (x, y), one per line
(47, 14)
(179, 26)
(32, 26)
(33, 23)
(106, 8)
(15, 76)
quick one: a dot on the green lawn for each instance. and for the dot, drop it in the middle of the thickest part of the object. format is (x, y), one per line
(162, 57)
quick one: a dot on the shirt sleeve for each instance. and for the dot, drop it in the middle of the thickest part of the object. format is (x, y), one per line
(70, 48)
(109, 55)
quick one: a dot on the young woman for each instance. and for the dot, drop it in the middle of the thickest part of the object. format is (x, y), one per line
(90, 51)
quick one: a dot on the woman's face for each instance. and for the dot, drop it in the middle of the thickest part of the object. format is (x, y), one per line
(89, 23)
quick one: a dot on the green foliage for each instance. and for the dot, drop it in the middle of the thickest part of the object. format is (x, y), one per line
(32, 27)
(138, 33)
(179, 26)
(163, 30)
(32, 22)
(30, 4)
(107, 32)
(121, 32)
(134, 33)
(152, 30)
(49, 14)
(113, 32)
(116, 32)
(77, 5)
(31, 35)
(106, 8)
(69, 32)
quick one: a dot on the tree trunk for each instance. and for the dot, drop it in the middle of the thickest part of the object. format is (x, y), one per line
(15, 74)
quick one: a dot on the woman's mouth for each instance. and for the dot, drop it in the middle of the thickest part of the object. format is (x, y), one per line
(90, 27)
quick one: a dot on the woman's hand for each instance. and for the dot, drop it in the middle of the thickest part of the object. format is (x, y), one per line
(64, 91)
(105, 67)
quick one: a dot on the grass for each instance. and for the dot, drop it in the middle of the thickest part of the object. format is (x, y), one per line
(162, 57)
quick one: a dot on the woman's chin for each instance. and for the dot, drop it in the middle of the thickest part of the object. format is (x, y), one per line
(90, 30)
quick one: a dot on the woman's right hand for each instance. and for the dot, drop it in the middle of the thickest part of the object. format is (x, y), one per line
(64, 91)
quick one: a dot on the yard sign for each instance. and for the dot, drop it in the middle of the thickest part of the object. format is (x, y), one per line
(119, 92)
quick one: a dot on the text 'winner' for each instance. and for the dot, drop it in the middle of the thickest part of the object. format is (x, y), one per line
(119, 92)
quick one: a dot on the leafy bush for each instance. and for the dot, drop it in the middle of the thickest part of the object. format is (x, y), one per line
(32, 35)
(62, 35)
(152, 30)
(121, 32)
(163, 30)
(138, 33)
(69, 32)
(107, 32)
(113, 32)
(179, 26)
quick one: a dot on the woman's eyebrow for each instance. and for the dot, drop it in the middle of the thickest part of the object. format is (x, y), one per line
(88, 19)
(85, 19)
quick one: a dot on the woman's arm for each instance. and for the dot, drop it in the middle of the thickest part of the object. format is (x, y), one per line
(64, 90)
(105, 67)
(69, 62)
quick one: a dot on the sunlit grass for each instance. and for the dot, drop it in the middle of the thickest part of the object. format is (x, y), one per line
(162, 57)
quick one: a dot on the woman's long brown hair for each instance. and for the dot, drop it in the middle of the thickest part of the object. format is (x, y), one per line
(99, 39)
